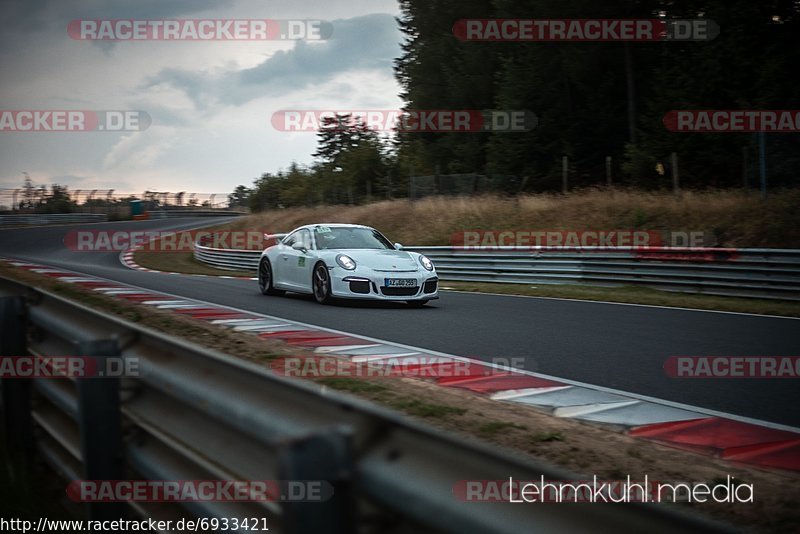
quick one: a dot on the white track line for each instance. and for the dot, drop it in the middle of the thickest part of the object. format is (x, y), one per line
(620, 304)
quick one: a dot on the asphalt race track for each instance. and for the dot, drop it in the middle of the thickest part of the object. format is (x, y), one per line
(616, 346)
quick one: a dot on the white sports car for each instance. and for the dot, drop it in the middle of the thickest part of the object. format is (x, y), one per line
(347, 261)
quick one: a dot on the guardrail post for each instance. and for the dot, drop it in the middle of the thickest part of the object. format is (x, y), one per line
(17, 419)
(676, 187)
(325, 458)
(762, 164)
(745, 184)
(100, 426)
(411, 192)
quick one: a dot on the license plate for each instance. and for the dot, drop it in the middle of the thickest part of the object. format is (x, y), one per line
(400, 282)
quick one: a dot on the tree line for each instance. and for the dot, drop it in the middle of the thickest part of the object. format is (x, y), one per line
(592, 100)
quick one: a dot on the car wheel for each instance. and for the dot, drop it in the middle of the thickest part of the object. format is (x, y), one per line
(321, 284)
(417, 303)
(265, 279)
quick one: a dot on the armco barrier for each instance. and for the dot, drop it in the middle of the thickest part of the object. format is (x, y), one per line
(51, 218)
(223, 258)
(171, 213)
(756, 273)
(196, 414)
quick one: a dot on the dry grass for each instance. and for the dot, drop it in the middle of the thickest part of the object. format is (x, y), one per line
(733, 219)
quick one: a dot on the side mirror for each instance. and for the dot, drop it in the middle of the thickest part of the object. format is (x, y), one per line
(297, 245)
(398, 246)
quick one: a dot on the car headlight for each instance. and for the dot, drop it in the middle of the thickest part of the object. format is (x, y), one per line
(428, 264)
(346, 262)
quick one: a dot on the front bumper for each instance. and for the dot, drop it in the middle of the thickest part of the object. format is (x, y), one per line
(368, 284)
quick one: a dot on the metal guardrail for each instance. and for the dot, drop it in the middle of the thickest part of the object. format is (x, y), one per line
(51, 218)
(229, 259)
(178, 212)
(756, 273)
(196, 414)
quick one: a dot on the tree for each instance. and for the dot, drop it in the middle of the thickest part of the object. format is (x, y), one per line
(351, 161)
(266, 193)
(588, 95)
(57, 201)
(745, 67)
(438, 72)
(28, 195)
(240, 197)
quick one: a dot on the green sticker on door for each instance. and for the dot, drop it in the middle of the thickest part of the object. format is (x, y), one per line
(301, 261)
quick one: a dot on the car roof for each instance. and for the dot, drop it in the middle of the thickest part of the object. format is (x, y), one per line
(334, 225)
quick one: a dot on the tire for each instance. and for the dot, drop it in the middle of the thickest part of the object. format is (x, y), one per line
(265, 279)
(417, 303)
(321, 284)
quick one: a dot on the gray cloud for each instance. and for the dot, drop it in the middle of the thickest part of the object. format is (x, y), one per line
(360, 43)
(44, 69)
(21, 17)
(26, 15)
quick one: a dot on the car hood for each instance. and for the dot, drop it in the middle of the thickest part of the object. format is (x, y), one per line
(382, 260)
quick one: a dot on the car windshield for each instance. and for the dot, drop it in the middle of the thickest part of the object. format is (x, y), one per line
(339, 237)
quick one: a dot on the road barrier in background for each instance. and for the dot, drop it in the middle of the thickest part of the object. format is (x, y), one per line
(51, 218)
(70, 218)
(175, 212)
(194, 414)
(755, 273)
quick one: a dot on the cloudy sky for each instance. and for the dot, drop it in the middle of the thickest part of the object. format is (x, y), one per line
(210, 102)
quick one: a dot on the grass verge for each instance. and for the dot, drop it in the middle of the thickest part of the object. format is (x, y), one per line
(727, 218)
